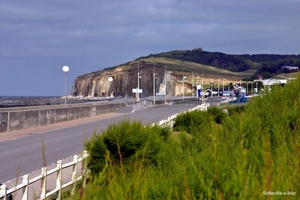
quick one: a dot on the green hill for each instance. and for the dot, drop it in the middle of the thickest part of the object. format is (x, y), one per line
(248, 66)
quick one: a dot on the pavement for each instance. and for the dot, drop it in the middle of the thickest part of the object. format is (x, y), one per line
(35, 130)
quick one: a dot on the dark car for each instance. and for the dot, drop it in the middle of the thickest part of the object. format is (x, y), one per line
(8, 197)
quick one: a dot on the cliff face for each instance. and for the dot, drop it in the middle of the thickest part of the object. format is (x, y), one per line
(124, 79)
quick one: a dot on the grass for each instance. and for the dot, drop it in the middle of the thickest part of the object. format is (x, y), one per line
(253, 150)
(202, 71)
(189, 67)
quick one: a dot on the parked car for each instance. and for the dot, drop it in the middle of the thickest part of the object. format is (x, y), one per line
(9, 197)
(226, 95)
(239, 100)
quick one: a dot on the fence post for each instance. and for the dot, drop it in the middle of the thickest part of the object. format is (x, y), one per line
(3, 191)
(59, 179)
(74, 174)
(25, 188)
(43, 182)
(84, 165)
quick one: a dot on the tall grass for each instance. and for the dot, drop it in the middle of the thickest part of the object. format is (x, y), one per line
(253, 150)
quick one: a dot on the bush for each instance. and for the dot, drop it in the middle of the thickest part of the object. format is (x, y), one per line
(192, 122)
(217, 114)
(124, 142)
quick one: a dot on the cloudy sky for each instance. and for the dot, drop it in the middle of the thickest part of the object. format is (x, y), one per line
(38, 38)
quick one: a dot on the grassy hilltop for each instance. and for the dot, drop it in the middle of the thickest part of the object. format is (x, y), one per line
(252, 151)
(228, 66)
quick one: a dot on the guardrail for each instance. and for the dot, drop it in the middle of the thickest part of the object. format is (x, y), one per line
(75, 177)
(170, 120)
(46, 191)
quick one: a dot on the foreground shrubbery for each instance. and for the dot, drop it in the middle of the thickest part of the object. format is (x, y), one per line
(255, 149)
(124, 143)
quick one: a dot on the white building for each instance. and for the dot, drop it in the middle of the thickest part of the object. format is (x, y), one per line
(290, 67)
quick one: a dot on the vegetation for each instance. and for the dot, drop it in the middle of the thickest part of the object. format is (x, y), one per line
(265, 65)
(252, 150)
(216, 64)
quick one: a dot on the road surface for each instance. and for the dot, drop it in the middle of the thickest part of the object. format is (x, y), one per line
(22, 151)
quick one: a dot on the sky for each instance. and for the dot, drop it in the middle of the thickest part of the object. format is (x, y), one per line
(38, 38)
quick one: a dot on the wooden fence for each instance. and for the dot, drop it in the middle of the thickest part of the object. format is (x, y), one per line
(45, 191)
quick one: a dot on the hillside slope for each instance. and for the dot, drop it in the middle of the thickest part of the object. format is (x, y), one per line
(197, 65)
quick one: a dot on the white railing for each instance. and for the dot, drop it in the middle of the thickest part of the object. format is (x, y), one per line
(169, 122)
(61, 181)
(45, 191)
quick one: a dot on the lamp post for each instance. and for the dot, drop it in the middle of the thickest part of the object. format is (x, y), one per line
(138, 87)
(219, 86)
(192, 84)
(223, 86)
(165, 85)
(228, 86)
(183, 77)
(211, 94)
(154, 77)
(202, 85)
(65, 70)
(110, 79)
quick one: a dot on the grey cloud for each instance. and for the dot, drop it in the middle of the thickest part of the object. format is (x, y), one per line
(39, 37)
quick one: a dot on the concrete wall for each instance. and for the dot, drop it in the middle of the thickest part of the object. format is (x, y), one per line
(18, 119)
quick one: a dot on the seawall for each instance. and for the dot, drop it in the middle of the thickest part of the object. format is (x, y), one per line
(19, 118)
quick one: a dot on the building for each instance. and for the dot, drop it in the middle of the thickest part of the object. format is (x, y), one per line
(290, 67)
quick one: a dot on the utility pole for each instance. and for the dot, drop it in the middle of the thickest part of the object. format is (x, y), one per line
(219, 85)
(165, 85)
(197, 80)
(211, 94)
(154, 77)
(202, 85)
(223, 85)
(192, 84)
(183, 85)
(138, 87)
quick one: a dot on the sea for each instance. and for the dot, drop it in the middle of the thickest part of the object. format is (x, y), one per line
(19, 101)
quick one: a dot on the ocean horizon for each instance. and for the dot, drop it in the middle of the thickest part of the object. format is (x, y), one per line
(28, 97)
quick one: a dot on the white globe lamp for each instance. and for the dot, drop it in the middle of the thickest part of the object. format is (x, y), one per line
(65, 70)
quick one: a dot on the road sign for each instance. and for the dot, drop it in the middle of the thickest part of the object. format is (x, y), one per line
(134, 90)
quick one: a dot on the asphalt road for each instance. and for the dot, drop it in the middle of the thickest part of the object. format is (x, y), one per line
(23, 153)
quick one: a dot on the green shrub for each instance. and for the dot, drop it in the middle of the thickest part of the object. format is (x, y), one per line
(217, 114)
(235, 109)
(124, 142)
(192, 122)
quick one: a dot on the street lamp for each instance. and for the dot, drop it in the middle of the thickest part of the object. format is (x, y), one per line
(192, 84)
(223, 86)
(110, 79)
(202, 85)
(219, 86)
(138, 87)
(183, 77)
(65, 70)
(211, 94)
(154, 77)
(166, 85)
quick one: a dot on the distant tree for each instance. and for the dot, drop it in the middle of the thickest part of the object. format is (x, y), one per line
(197, 49)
